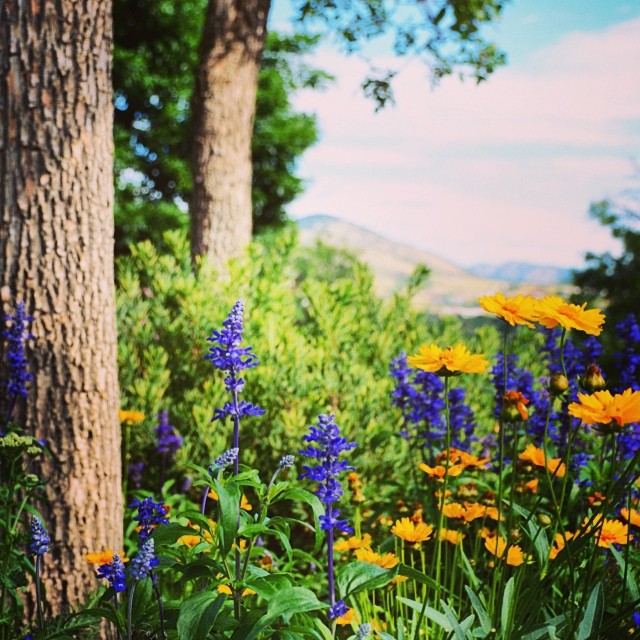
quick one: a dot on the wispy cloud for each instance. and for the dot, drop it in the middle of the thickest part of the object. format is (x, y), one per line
(504, 170)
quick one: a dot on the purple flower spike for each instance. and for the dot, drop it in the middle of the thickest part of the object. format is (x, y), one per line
(169, 441)
(16, 336)
(114, 573)
(40, 540)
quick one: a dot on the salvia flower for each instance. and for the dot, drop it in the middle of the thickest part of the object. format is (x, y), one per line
(329, 445)
(227, 458)
(150, 515)
(364, 631)
(16, 335)
(40, 540)
(338, 610)
(226, 353)
(286, 462)
(142, 565)
(114, 572)
(169, 441)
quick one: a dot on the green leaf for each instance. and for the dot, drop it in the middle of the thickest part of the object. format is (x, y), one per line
(590, 623)
(170, 533)
(429, 612)
(363, 576)
(453, 621)
(483, 617)
(229, 509)
(627, 568)
(508, 608)
(302, 495)
(414, 574)
(198, 614)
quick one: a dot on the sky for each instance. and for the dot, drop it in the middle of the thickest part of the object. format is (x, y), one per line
(501, 171)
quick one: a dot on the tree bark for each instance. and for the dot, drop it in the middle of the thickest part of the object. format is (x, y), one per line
(56, 254)
(223, 110)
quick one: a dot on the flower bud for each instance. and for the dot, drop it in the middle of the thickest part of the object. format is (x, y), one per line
(593, 380)
(558, 384)
(513, 407)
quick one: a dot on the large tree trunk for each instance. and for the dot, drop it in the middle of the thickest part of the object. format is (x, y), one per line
(56, 254)
(223, 109)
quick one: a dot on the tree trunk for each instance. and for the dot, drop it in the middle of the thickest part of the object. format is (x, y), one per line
(223, 109)
(56, 254)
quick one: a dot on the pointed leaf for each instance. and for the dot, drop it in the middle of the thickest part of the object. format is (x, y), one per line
(198, 614)
(593, 614)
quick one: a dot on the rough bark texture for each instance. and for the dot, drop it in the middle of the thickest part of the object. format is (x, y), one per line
(56, 254)
(223, 110)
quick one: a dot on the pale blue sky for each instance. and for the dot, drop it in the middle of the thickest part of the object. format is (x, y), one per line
(501, 171)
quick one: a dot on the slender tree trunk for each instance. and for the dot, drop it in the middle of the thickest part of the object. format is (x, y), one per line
(223, 109)
(56, 254)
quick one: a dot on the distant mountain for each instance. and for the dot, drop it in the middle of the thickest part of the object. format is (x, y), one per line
(449, 289)
(523, 272)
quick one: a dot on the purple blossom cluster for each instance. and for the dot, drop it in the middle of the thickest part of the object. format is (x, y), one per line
(420, 397)
(328, 447)
(17, 334)
(142, 565)
(40, 540)
(169, 440)
(114, 573)
(150, 515)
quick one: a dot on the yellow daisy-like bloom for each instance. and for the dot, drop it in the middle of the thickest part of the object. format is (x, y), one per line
(613, 532)
(452, 536)
(554, 311)
(104, 557)
(440, 472)
(516, 310)
(613, 411)
(457, 456)
(130, 417)
(559, 543)
(387, 561)
(353, 543)
(226, 589)
(411, 532)
(189, 540)
(632, 517)
(535, 456)
(348, 618)
(244, 503)
(451, 361)
(453, 510)
(473, 511)
(497, 547)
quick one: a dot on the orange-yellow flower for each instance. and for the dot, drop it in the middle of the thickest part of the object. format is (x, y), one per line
(553, 311)
(104, 557)
(514, 405)
(451, 535)
(613, 532)
(450, 361)
(411, 532)
(515, 310)
(348, 618)
(498, 545)
(130, 417)
(440, 472)
(457, 456)
(353, 543)
(536, 456)
(473, 511)
(387, 561)
(453, 510)
(606, 409)
(632, 517)
(244, 503)
(226, 589)
(559, 543)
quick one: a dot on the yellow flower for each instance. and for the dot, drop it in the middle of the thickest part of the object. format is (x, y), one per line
(244, 503)
(453, 510)
(104, 557)
(611, 532)
(516, 310)
(497, 547)
(450, 361)
(347, 618)
(473, 511)
(452, 536)
(632, 517)
(130, 417)
(605, 409)
(553, 311)
(353, 543)
(411, 532)
(559, 543)
(226, 589)
(535, 456)
(439, 471)
(387, 561)
(457, 456)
